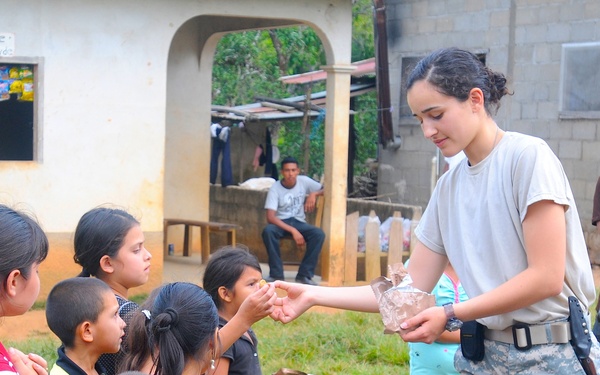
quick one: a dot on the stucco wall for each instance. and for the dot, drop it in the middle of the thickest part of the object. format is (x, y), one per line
(521, 38)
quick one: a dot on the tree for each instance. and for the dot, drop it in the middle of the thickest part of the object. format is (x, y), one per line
(247, 65)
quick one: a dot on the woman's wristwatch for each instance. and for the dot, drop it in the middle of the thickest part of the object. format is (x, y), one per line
(453, 323)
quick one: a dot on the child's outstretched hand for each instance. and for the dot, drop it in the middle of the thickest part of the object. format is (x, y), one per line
(257, 305)
(28, 364)
(297, 301)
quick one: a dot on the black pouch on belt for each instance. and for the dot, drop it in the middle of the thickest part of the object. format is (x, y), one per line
(471, 340)
(580, 336)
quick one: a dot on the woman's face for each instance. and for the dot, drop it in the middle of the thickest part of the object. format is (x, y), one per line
(450, 124)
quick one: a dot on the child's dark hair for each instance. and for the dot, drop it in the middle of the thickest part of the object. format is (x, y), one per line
(288, 160)
(454, 72)
(22, 243)
(176, 323)
(100, 231)
(72, 302)
(225, 267)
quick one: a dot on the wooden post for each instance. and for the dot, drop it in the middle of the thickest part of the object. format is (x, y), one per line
(350, 260)
(396, 239)
(373, 248)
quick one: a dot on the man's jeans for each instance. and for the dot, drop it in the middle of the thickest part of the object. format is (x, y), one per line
(314, 238)
(218, 147)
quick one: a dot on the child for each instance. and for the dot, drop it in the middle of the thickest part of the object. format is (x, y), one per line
(231, 275)
(83, 313)
(175, 333)
(437, 358)
(109, 244)
(23, 246)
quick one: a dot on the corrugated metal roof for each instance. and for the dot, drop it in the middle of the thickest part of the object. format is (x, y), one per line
(364, 67)
(282, 109)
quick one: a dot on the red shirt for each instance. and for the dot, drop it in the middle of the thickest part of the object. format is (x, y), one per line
(6, 366)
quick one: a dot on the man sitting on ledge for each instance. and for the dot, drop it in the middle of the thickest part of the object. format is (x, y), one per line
(287, 201)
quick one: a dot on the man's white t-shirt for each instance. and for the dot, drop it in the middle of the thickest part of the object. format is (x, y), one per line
(289, 203)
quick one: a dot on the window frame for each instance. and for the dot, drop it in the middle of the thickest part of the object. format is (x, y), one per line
(38, 77)
(569, 113)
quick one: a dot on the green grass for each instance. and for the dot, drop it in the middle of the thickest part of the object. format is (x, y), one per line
(316, 343)
(326, 344)
(43, 344)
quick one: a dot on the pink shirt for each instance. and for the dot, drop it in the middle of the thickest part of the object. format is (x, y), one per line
(6, 366)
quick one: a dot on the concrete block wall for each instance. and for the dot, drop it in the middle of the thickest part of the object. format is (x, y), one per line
(521, 38)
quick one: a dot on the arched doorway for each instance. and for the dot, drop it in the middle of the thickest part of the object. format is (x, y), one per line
(187, 139)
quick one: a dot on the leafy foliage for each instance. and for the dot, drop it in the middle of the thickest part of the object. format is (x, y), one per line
(247, 65)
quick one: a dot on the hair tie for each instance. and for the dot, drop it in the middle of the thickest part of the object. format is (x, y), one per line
(173, 314)
(165, 324)
(147, 313)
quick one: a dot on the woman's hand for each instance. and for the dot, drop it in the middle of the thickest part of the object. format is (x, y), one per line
(426, 326)
(28, 364)
(293, 305)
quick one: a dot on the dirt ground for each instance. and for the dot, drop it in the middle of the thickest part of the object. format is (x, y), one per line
(33, 323)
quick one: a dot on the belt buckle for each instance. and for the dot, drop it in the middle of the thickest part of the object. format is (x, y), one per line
(524, 326)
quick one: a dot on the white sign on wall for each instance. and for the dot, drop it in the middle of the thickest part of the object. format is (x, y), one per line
(7, 44)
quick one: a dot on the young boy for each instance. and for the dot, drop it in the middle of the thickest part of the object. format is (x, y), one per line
(83, 313)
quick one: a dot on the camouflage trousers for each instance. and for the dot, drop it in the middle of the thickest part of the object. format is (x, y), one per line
(502, 358)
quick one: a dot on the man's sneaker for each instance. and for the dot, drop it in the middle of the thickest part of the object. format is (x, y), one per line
(270, 279)
(305, 280)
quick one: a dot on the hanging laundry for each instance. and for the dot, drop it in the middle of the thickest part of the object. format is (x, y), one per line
(221, 145)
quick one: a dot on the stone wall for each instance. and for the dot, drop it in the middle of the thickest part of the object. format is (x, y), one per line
(524, 40)
(246, 208)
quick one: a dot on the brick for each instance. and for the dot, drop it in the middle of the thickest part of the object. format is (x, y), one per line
(547, 110)
(558, 33)
(592, 9)
(474, 5)
(582, 170)
(542, 130)
(427, 25)
(571, 12)
(591, 151)
(437, 8)
(542, 53)
(526, 16)
(549, 14)
(569, 149)
(583, 31)
(584, 131)
(445, 24)
(561, 131)
(536, 33)
(499, 18)
(529, 112)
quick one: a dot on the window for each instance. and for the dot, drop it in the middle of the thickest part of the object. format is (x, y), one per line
(408, 63)
(18, 98)
(579, 95)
